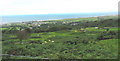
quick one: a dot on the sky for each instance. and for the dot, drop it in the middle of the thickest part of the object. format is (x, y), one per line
(21, 7)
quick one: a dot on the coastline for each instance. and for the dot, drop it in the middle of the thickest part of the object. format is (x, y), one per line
(65, 33)
(5, 23)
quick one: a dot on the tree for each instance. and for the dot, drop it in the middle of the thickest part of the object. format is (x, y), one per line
(23, 34)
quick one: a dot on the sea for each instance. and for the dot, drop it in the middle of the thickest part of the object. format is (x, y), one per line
(43, 17)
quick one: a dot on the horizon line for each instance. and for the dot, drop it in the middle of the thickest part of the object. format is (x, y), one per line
(60, 13)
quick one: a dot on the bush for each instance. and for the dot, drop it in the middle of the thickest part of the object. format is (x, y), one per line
(58, 28)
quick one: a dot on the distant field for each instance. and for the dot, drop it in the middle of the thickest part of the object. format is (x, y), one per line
(79, 38)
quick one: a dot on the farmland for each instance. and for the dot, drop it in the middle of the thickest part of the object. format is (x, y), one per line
(76, 38)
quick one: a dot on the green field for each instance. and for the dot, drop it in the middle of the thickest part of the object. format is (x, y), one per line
(79, 38)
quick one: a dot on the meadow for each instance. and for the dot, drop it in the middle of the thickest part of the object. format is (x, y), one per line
(76, 38)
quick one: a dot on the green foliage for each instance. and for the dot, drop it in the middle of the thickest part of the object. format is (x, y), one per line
(63, 40)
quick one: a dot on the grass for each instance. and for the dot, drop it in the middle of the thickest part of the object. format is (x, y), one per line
(60, 38)
(64, 44)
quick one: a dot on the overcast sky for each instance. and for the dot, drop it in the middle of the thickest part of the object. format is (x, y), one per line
(20, 7)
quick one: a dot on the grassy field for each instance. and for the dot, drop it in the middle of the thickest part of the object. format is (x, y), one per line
(88, 38)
